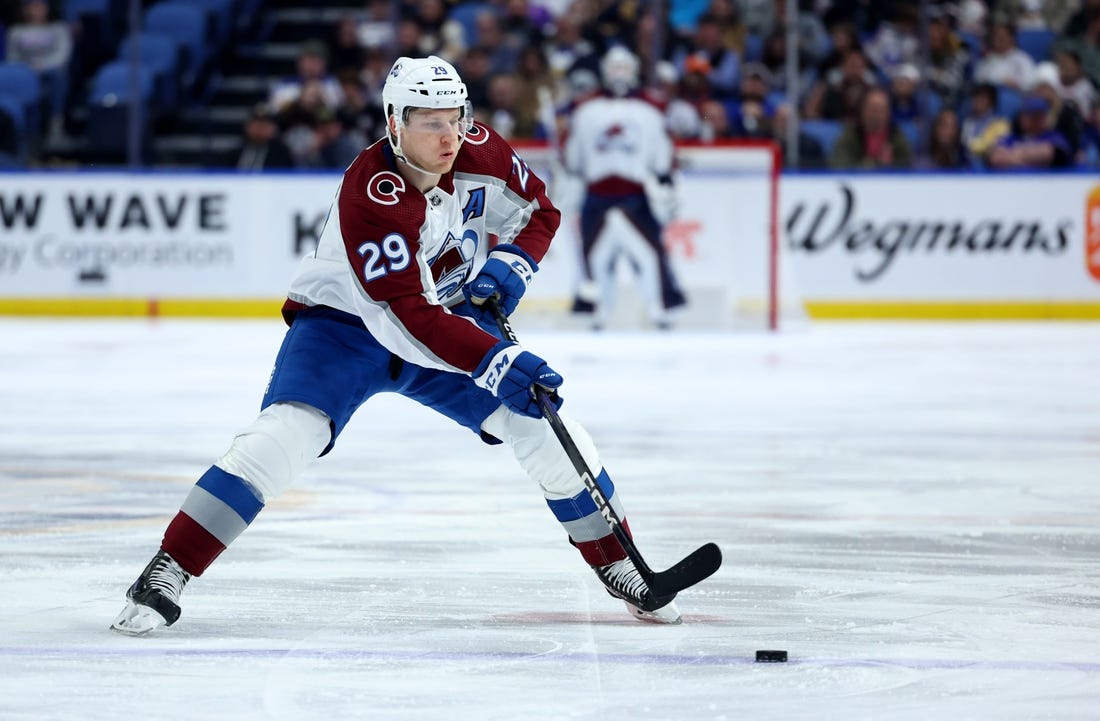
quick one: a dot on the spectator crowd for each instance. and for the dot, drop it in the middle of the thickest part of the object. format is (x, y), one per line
(970, 84)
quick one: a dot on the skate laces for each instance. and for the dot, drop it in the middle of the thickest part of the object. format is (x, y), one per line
(624, 578)
(167, 577)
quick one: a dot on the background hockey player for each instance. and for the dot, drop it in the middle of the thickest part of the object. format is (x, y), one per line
(618, 145)
(383, 304)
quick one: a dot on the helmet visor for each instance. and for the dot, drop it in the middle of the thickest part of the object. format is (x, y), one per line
(437, 123)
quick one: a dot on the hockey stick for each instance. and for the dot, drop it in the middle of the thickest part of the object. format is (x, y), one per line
(692, 569)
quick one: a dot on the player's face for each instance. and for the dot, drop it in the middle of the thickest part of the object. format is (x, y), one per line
(432, 138)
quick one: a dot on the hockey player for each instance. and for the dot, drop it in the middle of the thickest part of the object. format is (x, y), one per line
(618, 145)
(383, 304)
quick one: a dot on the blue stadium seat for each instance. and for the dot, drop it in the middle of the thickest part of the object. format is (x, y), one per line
(109, 107)
(14, 110)
(219, 14)
(825, 132)
(1009, 101)
(111, 84)
(774, 99)
(21, 84)
(72, 10)
(187, 23)
(912, 131)
(161, 54)
(465, 14)
(1036, 42)
(932, 103)
(972, 41)
(754, 48)
(98, 34)
(246, 14)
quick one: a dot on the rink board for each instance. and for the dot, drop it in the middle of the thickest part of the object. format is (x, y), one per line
(852, 246)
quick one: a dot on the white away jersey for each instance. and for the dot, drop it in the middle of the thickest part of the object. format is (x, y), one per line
(618, 137)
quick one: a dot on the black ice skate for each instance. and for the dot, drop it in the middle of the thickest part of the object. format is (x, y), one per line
(583, 306)
(153, 600)
(623, 581)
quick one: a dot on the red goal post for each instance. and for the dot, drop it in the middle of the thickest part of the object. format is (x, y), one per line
(724, 243)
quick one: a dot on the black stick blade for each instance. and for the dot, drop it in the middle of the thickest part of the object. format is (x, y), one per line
(698, 565)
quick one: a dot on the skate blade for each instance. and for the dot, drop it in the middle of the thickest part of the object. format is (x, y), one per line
(137, 620)
(669, 614)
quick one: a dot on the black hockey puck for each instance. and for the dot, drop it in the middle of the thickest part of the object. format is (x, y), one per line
(771, 656)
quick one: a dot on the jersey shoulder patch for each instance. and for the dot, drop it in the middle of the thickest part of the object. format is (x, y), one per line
(374, 174)
(484, 152)
(374, 193)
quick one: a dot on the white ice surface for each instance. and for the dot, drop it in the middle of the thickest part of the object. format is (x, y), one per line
(912, 511)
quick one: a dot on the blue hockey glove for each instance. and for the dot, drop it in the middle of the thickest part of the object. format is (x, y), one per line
(511, 373)
(506, 274)
(481, 316)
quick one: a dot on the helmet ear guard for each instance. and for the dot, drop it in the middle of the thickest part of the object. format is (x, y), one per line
(431, 83)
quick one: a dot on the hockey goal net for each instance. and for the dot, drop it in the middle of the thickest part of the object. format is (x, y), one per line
(724, 243)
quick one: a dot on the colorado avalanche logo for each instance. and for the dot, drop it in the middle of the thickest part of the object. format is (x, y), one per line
(476, 135)
(383, 187)
(452, 263)
(618, 138)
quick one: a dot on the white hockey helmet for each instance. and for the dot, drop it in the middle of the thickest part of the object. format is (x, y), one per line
(619, 70)
(429, 82)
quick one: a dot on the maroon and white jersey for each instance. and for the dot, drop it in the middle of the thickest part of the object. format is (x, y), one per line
(398, 258)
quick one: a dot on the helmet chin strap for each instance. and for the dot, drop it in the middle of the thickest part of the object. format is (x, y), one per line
(401, 156)
(416, 167)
